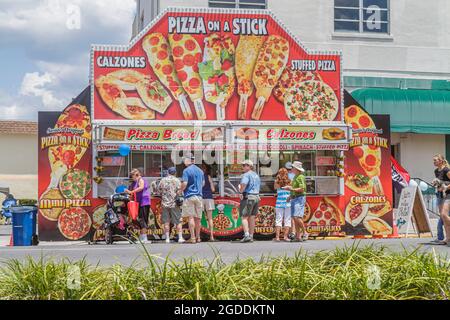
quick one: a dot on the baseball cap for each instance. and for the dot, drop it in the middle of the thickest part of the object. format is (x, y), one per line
(247, 162)
(172, 170)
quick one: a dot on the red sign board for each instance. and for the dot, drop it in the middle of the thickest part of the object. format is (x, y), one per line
(215, 65)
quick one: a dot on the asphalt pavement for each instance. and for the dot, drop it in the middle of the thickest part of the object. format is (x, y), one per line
(128, 254)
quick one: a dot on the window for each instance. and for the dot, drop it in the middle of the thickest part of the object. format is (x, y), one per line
(363, 16)
(242, 4)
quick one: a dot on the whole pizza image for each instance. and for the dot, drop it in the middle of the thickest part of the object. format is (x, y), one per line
(222, 86)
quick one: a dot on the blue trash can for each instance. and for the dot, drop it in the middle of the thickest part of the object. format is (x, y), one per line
(24, 225)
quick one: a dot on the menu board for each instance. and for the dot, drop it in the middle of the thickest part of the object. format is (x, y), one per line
(215, 65)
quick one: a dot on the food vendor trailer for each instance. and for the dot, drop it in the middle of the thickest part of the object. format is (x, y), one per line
(229, 85)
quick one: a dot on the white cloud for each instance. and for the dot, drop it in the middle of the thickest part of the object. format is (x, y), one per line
(59, 54)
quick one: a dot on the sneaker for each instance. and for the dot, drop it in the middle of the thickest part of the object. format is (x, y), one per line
(181, 240)
(246, 239)
(167, 240)
(305, 237)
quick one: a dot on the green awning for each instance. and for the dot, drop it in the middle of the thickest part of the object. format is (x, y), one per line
(411, 110)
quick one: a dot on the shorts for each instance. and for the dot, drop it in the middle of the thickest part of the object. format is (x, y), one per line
(283, 215)
(193, 207)
(298, 207)
(143, 216)
(208, 205)
(249, 207)
(171, 215)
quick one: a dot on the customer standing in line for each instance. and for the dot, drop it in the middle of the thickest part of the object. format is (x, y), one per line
(298, 200)
(249, 188)
(442, 173)
(282, 206)
(192, 185)
(139, 188)
(168, 189)
(208, 199)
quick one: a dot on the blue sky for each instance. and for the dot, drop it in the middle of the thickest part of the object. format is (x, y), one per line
(44, 49)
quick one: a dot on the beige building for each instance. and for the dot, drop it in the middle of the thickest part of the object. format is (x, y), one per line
(19, 163)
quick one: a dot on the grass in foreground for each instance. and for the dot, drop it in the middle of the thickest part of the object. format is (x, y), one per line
(348, 273)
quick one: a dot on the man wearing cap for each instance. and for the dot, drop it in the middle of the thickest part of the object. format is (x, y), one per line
(192, 185)
(298, 199)
(169, 188)
(249, 187)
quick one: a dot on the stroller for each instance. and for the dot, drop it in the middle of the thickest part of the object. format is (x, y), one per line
(5, 212)
(118, 224)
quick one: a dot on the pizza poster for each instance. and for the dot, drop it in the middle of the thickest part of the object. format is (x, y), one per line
(215, 65)
(64, 173)
(368, 180)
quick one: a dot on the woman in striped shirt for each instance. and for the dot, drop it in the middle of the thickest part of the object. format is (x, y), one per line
(282, 206)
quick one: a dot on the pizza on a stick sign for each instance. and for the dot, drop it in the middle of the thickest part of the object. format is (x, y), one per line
(215, 64)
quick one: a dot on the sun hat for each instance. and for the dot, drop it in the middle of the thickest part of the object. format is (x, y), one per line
(247, 162)
(298, 165)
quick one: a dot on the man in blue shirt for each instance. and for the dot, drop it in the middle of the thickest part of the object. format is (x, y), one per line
(249, 187)
(192, 184)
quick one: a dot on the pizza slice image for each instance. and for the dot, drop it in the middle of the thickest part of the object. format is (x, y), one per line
(369, 158)
(379, 209)
(326, 214)
(160, 57)
(217, 71)
(358, 118)
(115, 98)
(270, 64)
(290, 79)
(246, 54)
(377, 227)
(355, 213)
(359, 183)
(187, 54)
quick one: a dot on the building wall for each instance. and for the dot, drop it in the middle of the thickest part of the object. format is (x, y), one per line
(417, 151)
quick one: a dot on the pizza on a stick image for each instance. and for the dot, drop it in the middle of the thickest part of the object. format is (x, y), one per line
(51, 212)
(326, 214)
(290, 79)
(153, 97)
(74, 121)
(187, 54)
(270, 64)
(359, 183)
(308, 213)
(333, 134)
(217, 71)
(311, 101)
(74, 223)
(265, 217)
(160, 57)
(369, 158)
(75, 184)
(377, 226)
(355, 213)
(247, 52)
